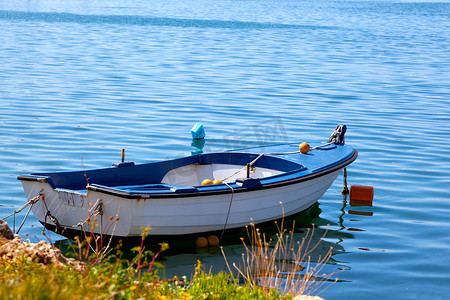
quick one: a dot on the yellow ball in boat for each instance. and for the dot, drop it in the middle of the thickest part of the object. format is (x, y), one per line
(207, 182)
(201, 242)
(217, 181)
(304, 147)
(213, 241)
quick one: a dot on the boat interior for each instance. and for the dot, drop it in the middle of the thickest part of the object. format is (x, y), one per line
(183, 172)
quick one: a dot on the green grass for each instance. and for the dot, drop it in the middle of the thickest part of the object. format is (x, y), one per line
(25, 279)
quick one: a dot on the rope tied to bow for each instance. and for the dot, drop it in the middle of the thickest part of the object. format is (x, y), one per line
(30, 203)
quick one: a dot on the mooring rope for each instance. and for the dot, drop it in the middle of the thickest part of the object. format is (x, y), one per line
(30, 203)
(273, 153)
(345, 189)
(229, 209)
(97, 209)
(51, 217)
(26, 216)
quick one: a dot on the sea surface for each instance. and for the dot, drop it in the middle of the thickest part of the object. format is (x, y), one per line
(80, 80)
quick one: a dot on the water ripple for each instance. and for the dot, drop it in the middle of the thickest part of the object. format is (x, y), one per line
(83, 81)
(51, 17)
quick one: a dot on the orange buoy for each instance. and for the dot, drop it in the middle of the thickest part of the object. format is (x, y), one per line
(360, 213)
(360, 203)
(213, 241)
(201, 242)
(217, 181)
(304, 147)
(207, 182)
(361, 193)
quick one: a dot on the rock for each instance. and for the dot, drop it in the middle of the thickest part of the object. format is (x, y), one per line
(305, 297)
(12, 247)
(5, 231)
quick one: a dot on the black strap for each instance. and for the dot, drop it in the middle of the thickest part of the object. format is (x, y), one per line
(338, 136)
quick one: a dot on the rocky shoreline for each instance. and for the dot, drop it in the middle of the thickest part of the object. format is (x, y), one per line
(12, 247)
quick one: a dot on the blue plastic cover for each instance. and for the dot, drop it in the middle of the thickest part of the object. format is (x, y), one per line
(198, 132)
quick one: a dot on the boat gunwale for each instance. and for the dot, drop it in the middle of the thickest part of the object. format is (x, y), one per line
(201, 159)
(172, 191)
(227, 190)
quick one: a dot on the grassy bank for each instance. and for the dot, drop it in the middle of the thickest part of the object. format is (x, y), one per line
(25, 279)
(270, 269)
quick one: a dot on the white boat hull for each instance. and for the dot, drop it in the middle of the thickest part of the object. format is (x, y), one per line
(173, 216)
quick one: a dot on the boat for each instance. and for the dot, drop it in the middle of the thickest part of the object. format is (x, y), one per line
(257, 185)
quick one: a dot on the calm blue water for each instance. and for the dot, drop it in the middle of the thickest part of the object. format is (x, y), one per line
(81, 80)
